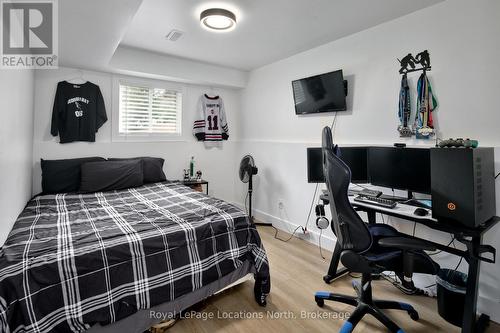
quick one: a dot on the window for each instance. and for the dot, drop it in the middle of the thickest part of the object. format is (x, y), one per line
(148, 111)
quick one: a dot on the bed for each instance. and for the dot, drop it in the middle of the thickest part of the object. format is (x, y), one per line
(101, 260)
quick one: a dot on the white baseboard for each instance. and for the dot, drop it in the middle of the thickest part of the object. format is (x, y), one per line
(489, 306)
(312, 236)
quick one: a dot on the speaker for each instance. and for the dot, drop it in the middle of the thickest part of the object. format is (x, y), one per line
(463, 185)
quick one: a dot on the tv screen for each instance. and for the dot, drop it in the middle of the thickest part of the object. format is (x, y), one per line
(320, 93)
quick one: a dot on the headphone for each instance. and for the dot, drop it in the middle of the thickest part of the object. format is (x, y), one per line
(321, 220)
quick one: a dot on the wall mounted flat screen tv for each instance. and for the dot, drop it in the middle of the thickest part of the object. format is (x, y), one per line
(320, 93)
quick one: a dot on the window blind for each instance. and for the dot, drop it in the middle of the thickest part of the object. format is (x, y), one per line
(145, 110)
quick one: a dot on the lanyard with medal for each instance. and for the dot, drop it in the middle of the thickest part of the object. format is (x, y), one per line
(423, 126)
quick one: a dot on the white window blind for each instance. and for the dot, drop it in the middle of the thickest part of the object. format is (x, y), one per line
(146, 110)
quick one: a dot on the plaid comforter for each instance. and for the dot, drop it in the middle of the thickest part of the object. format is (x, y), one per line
(72, 260)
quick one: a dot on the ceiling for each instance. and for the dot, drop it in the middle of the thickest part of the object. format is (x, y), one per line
(267, 31)
(91, 30)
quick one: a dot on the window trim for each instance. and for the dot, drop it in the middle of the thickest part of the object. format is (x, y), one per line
(144, 137)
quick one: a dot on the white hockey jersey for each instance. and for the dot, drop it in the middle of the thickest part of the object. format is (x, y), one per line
(210, 125)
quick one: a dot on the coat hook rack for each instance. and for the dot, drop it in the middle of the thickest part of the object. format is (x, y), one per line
(409, 63)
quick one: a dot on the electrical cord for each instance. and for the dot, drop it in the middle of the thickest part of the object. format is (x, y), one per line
(333, 121)
(319, 244)
(307, 222)
(289, 238)
(311, 207)
(498, 174)
(438, 252)
(398, 285)
(458, 265)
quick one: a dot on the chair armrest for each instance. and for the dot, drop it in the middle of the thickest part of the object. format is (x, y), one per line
(406, 243)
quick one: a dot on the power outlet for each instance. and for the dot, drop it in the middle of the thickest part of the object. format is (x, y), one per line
(281, 205)
(304, 234)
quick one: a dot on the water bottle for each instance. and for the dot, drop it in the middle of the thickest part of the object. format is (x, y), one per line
(191, 168)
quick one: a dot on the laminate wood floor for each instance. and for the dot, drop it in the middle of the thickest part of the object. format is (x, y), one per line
(296, 274)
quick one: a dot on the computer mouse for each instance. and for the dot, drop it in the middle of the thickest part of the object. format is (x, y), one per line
(421, 212)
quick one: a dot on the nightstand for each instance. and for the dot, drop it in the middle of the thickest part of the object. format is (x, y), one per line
(195, 184)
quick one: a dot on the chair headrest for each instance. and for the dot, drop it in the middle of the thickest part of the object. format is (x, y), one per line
(327, 141)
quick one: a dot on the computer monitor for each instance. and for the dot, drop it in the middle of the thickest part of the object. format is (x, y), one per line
(354, 157)
(400, 168)
(315, 166)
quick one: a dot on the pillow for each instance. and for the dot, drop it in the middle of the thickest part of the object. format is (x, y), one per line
(111, 175)
(60, 176)
(151, 166)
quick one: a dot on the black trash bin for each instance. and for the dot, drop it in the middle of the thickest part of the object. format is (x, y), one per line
(451, 287)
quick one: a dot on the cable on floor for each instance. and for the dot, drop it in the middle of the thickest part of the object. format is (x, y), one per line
(319, 244)
(289, 238)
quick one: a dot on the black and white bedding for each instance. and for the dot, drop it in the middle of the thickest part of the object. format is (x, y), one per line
(73, 260)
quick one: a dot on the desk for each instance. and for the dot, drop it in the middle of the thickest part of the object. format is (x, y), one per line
(471, 237)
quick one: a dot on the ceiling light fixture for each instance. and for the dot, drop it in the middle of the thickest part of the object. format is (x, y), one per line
(218, 19)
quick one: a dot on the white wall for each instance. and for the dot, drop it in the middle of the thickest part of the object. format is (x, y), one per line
(16, 145)
(216, 164)
(462, 38)
(134, 61)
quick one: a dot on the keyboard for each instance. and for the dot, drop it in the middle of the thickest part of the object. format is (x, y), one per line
(376, 201)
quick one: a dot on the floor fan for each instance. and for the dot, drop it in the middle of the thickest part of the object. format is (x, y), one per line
(247, 171)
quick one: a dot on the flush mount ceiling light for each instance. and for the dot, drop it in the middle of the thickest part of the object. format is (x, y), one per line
(218, 19)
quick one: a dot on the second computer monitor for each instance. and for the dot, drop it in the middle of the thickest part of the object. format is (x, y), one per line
(356, 160)
(354, 157)
(400, 168)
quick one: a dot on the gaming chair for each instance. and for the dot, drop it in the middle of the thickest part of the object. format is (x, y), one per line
(368, 249)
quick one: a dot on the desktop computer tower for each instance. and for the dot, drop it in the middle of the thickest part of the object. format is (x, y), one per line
(463, 185)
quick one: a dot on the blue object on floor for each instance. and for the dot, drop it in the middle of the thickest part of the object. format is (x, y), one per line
(405, 306)
(347, 327)
(322, 294)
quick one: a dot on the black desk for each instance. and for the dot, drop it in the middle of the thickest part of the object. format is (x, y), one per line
(471, 237)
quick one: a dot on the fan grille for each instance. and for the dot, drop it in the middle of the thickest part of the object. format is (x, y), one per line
(246, 165)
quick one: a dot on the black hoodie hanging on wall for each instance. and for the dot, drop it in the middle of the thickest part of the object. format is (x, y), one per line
(78, 112)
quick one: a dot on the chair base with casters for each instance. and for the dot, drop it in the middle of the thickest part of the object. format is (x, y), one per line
(365, 304)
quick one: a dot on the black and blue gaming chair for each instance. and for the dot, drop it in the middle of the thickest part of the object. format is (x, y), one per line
(368, 249)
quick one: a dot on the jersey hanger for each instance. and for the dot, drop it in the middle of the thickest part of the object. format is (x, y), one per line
(77, 79)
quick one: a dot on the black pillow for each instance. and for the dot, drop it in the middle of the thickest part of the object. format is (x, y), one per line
(111, 175)
(61, 176)
(151, 166)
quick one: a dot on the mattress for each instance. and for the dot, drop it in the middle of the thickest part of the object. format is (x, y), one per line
(74, 260)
